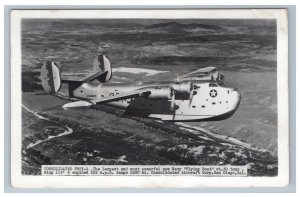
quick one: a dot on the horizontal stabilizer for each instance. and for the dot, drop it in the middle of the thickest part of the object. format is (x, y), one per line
(95, 76)
(88, 78)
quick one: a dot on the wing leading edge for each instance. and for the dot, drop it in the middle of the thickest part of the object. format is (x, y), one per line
(83, 103)
(123, 96)
(204, 71)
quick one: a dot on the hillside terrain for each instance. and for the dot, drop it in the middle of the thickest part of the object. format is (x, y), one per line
(243, 50)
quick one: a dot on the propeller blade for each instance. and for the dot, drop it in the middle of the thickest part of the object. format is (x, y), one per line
(178, 78)
(191, 93)
(173, 106)
(173, 101)
(221, 77)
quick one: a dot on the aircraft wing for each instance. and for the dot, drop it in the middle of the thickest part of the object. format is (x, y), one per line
(204, 71)
(88, 103)
(133, 94)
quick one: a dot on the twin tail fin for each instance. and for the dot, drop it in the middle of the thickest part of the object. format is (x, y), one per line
(51, 75)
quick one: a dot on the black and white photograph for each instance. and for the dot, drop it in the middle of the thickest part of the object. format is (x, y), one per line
(151, 91)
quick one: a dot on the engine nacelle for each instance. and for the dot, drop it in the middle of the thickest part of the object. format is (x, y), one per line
(182, 90)
(160, 93)
(183, 87)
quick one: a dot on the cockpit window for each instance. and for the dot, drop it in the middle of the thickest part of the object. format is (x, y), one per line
(216, 84)
(220, 83)
(213, 84)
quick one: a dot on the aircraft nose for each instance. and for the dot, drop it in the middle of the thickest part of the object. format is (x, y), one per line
(238, 95)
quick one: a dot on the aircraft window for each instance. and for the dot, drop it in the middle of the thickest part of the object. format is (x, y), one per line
(227, 91)
(213, 103)
(117, 93)
(213, 85)
(203, 106)
(206, 99)
(220, 102)
(81, 90)
(220, 83)
(128, 101)
(193, 106)
(226, 101)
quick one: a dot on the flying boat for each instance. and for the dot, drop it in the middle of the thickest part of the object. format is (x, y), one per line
(197, 96)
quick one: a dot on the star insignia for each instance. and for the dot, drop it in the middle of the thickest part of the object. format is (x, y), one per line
(213, 93)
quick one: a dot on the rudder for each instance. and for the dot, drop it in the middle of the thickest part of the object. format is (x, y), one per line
(102, 63)
(50, 77)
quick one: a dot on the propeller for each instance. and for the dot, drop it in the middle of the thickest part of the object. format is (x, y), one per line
(178, 78)
(173, 106)
(193, 87)
(191, 93)
(221, 77)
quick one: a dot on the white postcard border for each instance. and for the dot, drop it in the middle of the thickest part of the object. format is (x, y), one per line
(25, 181)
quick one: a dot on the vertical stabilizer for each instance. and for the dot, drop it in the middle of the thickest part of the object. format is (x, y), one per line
(102, 63)
(50, 77)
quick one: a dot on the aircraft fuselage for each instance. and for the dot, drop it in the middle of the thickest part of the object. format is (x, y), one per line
(210, 100)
